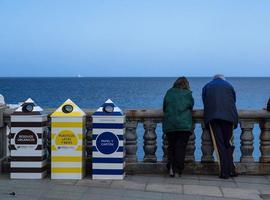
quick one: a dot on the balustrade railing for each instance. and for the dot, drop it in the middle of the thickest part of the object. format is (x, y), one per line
(151, 118)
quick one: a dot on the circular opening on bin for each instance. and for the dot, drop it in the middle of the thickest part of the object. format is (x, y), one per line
(108, 108)
(28, 107)
(67, 108)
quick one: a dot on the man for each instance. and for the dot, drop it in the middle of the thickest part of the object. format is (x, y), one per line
(220, 116)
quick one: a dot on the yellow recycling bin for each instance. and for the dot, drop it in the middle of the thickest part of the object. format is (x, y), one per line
(68, 142)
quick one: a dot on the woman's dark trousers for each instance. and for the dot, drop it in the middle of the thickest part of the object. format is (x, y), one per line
(177, 143)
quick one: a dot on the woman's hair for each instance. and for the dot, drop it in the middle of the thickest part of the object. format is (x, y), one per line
(182, 83)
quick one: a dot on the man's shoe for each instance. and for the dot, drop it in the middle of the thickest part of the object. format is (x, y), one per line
(234, 174)
(223, 177)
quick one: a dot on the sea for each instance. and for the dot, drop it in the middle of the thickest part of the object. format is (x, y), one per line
(134, 93)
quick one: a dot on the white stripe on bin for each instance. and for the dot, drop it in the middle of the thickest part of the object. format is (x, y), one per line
(27, 175)
(27, 153)
(113, 155)
(67, 164)
(38, 164)
(118, 177)
(108, 165)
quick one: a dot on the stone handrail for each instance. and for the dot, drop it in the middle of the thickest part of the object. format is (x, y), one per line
(151, 117)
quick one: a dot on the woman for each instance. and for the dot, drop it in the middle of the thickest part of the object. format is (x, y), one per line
(177, 124)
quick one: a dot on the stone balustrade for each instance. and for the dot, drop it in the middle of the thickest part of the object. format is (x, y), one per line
(3, 135)
(150, 118)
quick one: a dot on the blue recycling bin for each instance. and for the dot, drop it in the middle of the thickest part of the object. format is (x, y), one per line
(108, 142)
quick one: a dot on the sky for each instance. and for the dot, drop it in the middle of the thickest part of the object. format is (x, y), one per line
(134, 38)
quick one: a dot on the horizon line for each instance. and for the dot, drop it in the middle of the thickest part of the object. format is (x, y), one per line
(128, 76)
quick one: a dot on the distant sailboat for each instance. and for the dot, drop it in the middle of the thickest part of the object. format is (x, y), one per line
(79, 76)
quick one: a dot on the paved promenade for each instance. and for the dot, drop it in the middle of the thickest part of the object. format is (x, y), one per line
(152, 187)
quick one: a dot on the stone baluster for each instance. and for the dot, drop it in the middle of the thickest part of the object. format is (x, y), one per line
(131, 141)
(265, 141)
(207, 145)
(191, 147)
(2, 109)
(247, 141)
(150, 143)
(164, 147)
(47, 139)
(88, 138)
(3, 136)
(3, 146)
(3, 142)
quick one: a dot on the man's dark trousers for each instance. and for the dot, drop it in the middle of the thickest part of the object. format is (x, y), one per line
(222, 133)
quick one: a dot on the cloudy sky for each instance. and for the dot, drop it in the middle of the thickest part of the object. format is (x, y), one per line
(134, 38)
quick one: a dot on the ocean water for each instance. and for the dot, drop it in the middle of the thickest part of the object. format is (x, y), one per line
(132, 93)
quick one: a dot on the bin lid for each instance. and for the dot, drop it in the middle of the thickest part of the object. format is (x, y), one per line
(28, 107)
(68, 109)
(108, 109)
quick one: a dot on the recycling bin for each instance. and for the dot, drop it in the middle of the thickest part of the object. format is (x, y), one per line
(68, 142)
(27, 137)
(108, 142)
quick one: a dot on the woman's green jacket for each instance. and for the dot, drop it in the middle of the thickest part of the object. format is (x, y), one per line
(177, 107)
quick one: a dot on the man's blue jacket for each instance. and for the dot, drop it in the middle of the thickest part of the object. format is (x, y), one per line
(219, 102)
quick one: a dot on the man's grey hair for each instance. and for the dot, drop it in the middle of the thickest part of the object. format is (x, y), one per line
(219, 76)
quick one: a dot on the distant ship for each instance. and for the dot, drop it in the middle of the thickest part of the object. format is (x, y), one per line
(79, 76)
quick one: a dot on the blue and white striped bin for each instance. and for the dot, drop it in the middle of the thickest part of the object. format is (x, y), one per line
(108, 142)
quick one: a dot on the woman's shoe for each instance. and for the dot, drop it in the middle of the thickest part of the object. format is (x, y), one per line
(178, 175)
(168, 166)
(178, 172)
(171, 172)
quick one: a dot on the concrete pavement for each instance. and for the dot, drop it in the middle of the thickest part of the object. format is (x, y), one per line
(152, 187)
